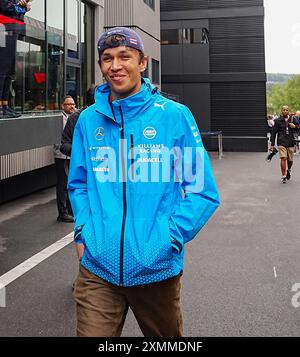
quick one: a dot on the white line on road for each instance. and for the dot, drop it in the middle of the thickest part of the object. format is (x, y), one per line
(275, 273)
(30, 263)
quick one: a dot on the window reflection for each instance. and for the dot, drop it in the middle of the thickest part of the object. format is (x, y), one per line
(41, 81)
(55, 33)
(73, 83)
(30, 85)
(72, 28)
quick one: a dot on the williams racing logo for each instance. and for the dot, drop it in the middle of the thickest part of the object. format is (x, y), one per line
(149, 133)
(99, 134)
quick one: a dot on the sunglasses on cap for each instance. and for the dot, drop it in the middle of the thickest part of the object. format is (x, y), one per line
(113, 41)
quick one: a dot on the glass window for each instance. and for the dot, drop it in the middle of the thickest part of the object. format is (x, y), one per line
(37, 11)
(51, 62)
(55, 36)
(170, 37)
(186, 35)
(87, 45)
(82, 22)
(155, 72)
(84, 51)
(195, 35)
(30, 85)
(72, 28)
(73, 84)
(150, 3)
(199, 35)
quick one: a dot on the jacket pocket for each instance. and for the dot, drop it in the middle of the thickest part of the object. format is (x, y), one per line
(82, 232)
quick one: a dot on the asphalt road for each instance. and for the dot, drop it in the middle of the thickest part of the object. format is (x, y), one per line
(239, 271)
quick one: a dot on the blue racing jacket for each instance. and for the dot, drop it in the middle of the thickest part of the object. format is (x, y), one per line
(140, 185)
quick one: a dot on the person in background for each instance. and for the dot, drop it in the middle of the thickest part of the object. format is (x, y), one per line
(270, 124)
(67, 135)
(12, 20)
(284, 128)
(67, 138)
(134, 228)
(297, 133)
(62, 163)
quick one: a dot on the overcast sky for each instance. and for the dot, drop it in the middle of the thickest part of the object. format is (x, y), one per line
(282, 31)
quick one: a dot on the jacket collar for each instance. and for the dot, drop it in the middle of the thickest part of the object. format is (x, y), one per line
(131, 106)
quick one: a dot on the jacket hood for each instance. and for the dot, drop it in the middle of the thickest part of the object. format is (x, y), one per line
(131, 106)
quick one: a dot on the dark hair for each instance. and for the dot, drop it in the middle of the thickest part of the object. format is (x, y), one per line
(90, 95)
(66, 97)
(142, 55)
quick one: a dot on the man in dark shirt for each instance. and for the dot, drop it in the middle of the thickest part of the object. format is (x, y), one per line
(67, 135)
(283, 128)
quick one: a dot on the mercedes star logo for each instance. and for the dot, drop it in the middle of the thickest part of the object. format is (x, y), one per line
(99, 134)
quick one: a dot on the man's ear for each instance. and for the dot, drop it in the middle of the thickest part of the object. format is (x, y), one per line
(144, 64)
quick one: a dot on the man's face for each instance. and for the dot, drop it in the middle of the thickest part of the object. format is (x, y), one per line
(68, 106)
(122, 67)
(285, 111)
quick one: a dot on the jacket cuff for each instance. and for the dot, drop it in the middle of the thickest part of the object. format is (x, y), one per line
(176, 245)
(20, 9)
(77, 234)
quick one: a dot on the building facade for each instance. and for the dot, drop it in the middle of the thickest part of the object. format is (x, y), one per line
(57, 57)
(213, 59)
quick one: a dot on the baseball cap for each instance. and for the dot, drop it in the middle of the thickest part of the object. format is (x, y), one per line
(120, 36)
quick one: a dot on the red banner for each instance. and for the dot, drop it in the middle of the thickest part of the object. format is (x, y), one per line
(9, 20)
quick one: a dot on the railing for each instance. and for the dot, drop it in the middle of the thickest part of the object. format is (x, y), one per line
(217, 134)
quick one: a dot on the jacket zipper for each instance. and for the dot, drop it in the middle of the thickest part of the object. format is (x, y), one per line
(132, 155)
(124, 194)
(124, 202)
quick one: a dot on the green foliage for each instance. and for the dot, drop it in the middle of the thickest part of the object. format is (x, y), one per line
(284, 94)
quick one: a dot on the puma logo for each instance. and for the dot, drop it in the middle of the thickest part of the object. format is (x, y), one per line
(162, 106)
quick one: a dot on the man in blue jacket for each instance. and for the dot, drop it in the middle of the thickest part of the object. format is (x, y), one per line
(141, 187)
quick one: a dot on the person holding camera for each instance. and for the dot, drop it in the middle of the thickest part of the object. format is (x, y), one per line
(12, 19)
(284, 128)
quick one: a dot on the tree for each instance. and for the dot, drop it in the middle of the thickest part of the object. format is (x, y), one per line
(284, 94)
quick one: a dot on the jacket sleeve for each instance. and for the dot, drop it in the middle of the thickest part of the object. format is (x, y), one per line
(68, 132)
(66, 139)
(274, 132)
(296, 122)
(201, 197)
(77, 183)
(10, 8)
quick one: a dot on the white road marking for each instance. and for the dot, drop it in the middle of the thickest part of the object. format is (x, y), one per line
(30, 263)
(275, 273)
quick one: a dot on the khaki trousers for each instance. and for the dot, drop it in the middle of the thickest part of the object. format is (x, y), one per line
(102, 307)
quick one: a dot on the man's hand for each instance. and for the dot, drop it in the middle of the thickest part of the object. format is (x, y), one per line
(271, 148)
(292, 125)
(79, 250)
(24, 3)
